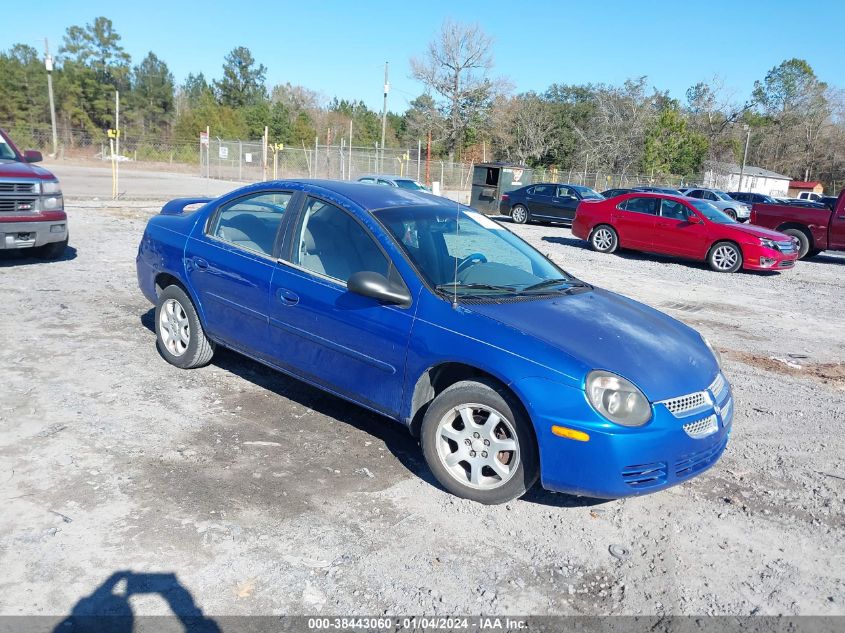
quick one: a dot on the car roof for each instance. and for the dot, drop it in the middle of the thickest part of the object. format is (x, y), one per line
(365, 195)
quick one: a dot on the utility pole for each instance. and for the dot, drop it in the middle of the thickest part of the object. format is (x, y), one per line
(48, 63)
(384, 114)
(744, 155)
(349, 168)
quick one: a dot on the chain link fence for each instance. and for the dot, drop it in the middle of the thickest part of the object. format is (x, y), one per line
(248, 161)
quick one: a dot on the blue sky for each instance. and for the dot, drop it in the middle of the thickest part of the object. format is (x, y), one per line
(339, 47)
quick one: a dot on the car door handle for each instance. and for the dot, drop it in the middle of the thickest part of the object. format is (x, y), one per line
(200, 263)
(287, 297)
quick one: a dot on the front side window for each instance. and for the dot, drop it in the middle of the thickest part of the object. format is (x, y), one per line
(695, 193)
(252, 222)
(332, 243)
(463, 252)
(673, 209)
(648, 206)
(563, 192)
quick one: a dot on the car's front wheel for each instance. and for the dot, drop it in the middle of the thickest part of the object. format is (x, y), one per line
(730, 213)
(519, 214)
(725, 257)
(53, 250)
(803, 241)
(479, 444)
(604, 239)
(179, 334)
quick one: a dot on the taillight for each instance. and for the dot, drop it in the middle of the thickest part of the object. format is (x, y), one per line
(505, 196)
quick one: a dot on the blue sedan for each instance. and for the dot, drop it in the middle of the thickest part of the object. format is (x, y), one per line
(506, 367)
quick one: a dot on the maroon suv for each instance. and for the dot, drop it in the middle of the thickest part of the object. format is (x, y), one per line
(32, 210)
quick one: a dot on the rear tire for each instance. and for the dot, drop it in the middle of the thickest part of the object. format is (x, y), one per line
(604, 239)
(725, 257)
(803, 241)
(180, 337)
(520, 215)
(53, 250)
(479, 444)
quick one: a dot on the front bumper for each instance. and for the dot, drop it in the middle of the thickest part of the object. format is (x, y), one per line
(618, 461)
(33, 231)
(762, 258)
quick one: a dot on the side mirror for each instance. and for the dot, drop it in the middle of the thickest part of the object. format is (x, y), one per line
(32, 156)
(377, 286)
(694, 219)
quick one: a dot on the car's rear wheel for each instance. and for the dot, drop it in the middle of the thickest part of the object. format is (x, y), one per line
(53, 250)
(604, 239)
(519, 214)
(479, 444)
(725, 257)
(730, 213)
(179, 334)
(803, 241)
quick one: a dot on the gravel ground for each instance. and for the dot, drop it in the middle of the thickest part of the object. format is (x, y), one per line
(265, 496)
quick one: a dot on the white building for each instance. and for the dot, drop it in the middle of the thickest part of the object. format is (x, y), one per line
(725, 176)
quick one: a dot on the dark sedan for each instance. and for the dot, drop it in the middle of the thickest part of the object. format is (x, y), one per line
(612, 193)
(545, 201)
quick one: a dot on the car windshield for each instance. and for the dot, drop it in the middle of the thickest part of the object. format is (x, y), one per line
(413, 185)
(6, 151)
(710, 212)
(459, 251)
(586, 192)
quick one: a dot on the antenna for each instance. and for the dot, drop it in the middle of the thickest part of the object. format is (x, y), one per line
(457, 234)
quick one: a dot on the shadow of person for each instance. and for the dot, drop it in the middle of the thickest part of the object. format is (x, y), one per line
(108, 610)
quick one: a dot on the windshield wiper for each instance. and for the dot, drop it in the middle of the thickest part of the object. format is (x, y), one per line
(572, 283)
(459, 286)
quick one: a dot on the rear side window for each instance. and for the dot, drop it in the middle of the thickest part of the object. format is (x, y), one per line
(252, 222)
(648, 206)
(544, 190)
(695, 193)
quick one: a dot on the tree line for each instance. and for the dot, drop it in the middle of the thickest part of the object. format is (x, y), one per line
(793, 120)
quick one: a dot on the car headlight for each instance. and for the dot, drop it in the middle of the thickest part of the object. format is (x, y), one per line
(617, 399)
(51, 187)
(768, 243)
(714, 351)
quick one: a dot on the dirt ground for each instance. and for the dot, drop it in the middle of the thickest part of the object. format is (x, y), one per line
(265, 496)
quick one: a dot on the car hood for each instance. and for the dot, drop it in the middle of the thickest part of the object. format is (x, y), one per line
(604, 330)
(757, 231)
(24, 170)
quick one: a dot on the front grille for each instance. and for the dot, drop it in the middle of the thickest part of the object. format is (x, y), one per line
(16, 204)
(787, 264)
(693, 463)
(727, 412)
(702, 428)
(645, 475)
(683, 405)
(787, 247)
(16, 187)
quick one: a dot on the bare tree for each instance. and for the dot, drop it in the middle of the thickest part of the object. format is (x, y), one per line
(714, 112)
(523, 127)
(456, 67)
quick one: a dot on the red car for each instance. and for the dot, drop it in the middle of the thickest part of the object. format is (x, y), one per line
(685, 227)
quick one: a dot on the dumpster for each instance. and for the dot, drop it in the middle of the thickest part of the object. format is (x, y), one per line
(491, 180)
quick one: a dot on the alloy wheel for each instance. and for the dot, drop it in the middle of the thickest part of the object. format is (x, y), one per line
(725, 257)
(174, 327)
(603, 239)
(520, 215)
(478, 446)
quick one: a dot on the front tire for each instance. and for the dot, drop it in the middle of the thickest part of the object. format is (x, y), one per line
(725, 257)
(180, 337)
(731, 214)
(53, 250)
(478, 443)
(519, 214)
(604, 239)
